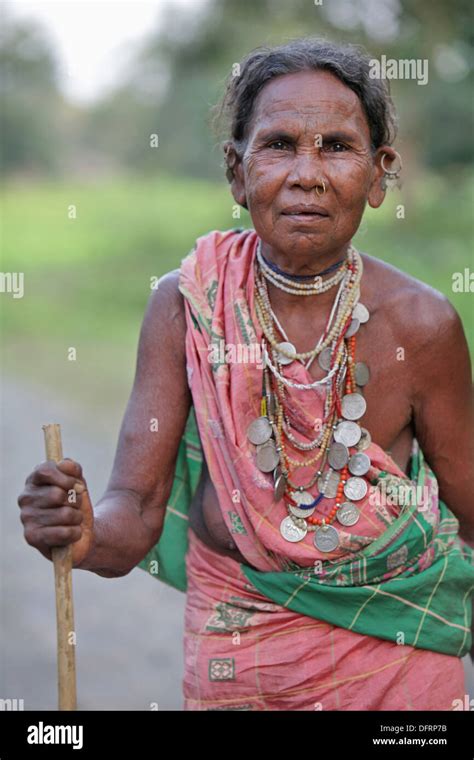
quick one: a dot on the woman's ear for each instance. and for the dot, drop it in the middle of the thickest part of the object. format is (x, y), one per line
(235, 173)
(388, 156)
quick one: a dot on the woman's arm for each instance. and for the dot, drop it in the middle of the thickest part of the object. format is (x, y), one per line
(443, 412)
(129, 517)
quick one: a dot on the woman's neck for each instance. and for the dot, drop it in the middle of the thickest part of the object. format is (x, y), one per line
(302, 265)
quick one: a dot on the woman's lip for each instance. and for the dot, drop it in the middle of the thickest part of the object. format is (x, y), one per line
(307, 217)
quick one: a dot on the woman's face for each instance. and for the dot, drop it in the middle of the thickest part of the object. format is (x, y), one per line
(308, 127)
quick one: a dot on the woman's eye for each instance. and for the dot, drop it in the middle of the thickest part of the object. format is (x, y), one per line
(336, 147)
(280, 143)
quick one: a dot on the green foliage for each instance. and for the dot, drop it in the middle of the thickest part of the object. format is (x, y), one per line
(89, 278)
(31, 107)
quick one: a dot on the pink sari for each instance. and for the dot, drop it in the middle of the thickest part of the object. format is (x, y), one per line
(242, 651)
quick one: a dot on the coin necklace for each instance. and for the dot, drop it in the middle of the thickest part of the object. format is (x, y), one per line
(287, 352)
(340, 430)
(332, 484)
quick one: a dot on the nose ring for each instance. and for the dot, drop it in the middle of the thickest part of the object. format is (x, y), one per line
(317, 188)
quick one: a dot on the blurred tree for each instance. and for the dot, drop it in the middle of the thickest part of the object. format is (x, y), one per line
(198, 48)
(29, 99)
(177, 73)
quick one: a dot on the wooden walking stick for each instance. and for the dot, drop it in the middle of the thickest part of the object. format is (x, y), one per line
(62, 561)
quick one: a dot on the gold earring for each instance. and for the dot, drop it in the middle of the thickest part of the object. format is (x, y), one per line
(321, 182)
(391, 177)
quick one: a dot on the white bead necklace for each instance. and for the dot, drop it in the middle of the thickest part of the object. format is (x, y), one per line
(326, 329)
(295, 288)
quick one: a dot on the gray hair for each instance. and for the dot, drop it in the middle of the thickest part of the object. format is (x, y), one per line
(349, 63)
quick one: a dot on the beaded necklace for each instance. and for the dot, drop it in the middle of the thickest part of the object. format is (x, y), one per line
(303, 277)
(300, 288)
(336, 453)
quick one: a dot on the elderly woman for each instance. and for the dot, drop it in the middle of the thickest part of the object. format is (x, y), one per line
(322, 567)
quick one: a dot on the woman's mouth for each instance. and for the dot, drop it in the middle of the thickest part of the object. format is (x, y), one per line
(306, 217)
(305, 213)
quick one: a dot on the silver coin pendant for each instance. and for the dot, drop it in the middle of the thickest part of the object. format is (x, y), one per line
(359, 463)
(355, 488)
(288, 347)
(326, 538)
(348, 514)
(290, 531)
(338, 456)
(259, 431)
(353, 406)
(347, 433)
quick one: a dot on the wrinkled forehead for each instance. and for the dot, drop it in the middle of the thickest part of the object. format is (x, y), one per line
(308, 100)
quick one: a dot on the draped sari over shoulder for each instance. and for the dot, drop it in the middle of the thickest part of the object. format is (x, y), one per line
(378, 623)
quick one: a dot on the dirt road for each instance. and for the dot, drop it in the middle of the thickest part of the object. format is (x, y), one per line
(129, 630)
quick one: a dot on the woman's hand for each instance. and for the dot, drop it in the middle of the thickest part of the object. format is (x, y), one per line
(56, 509)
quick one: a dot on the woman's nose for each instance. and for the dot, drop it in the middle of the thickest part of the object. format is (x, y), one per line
(306, 170)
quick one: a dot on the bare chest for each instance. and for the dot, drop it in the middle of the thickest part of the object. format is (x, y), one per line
(388, 417)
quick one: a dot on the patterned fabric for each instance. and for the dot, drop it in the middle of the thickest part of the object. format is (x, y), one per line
(166, 560)
(417, 571)
(400, 577)
(242, 651)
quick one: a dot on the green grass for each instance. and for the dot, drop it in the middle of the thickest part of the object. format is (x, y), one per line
(87, 280)
(90, 276)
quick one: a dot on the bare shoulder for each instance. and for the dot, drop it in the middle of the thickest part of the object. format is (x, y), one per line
(160, 392)
(167, 294)
(418, 314)
(164, 317)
